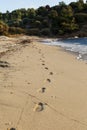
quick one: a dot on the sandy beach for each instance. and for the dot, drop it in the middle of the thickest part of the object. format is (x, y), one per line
(42, 88)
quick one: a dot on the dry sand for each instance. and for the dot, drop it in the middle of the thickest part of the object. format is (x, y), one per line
(43, 88)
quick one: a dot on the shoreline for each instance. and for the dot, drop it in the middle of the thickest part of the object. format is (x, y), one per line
(41, 39)
(44, 88)
(75, 48)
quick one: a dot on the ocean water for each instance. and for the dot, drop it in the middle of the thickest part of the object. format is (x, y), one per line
(75, 45)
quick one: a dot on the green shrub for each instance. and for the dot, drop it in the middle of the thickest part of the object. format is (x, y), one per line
(33, 31)
(45, 32)
(16, 30)
(81, 17)
(3, 28)
(61, 32)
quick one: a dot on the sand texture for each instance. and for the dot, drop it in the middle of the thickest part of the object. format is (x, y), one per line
(42, 88)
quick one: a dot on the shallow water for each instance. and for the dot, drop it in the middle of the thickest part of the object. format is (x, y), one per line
(75, 45)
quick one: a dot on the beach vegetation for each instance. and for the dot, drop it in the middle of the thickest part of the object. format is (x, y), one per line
(3, 28)
(45, 32)
(58, 20)
(16, 30)
(33, 31)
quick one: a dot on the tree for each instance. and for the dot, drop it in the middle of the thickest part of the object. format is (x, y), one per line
(77, 6)
(62, 4)
(67, 12)
(31, 13)
(81, 1)
(0, 15)
(37, 24)
(43, 11)
(81, 17)
(16, 14)
(53, 14)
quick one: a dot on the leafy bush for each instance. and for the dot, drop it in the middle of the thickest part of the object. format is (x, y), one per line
(33, 31)
(81, 17)
(61, 32)
(3, 28)
(16, 30)
(45, 32)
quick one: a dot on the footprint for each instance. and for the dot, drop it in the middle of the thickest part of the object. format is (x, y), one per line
(48, 80)
(11, 129)
(43, 64)
(53, 97)
(42, 90)
(42, 56)
(46, 68)
(39, 107)
(11, 92)
(28, 83)
(36, 47)
(51, 73)
(39, 52)
(8, 123)
(43, 61)
(4, 64)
